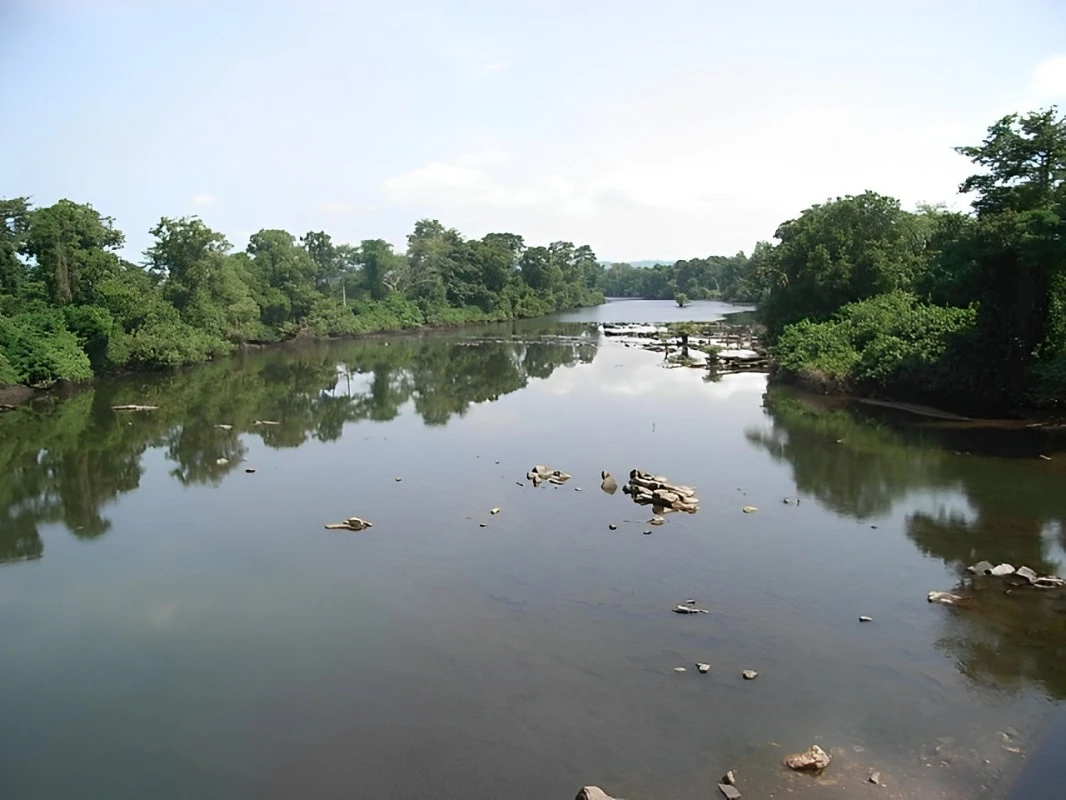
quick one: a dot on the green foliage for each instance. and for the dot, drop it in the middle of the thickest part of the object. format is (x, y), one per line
(682, 299)
(889, 343)
(714, 278)
(40, 349)
(70, 306)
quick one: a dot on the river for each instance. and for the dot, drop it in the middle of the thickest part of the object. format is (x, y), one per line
(173, 625)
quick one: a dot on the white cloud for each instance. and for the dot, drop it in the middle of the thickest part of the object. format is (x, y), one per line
(469, 180)
(345, 208)
(1048, 83)
(204, 199)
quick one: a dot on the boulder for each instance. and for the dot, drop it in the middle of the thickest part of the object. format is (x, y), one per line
(981, 568)
(1026, 574)
(609, 485)
(812, 759)
(1002, 570)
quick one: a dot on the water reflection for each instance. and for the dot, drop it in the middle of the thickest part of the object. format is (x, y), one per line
(64, 460)
(984, 507)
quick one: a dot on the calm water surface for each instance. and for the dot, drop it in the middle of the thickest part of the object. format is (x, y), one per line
(172, 626)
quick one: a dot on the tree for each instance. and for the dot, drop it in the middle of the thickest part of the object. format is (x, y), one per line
(839, 252)
(1020, 201)
(14, 222)
(682, 299)
(72, 246)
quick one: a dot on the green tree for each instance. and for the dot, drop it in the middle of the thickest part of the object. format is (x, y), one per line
(72, 247)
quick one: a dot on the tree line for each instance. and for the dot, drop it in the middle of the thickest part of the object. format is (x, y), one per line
(968, 309)
(732, 278)
(72, 307)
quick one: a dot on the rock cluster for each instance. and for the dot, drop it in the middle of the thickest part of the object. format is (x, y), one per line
(655, 490)
(540, 473)
(1026, 574)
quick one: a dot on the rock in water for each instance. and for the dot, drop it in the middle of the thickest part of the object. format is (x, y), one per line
(866, 619)
(612, 527)
(703, 667)
(1026, 573)
(981, 568)
(222, 461)
(875, 778)
(729, 778)
(593, 793)
(656, 520)
(750, 674)
(731, 792)
(609, 485)
(749, 509)
(1002, 570)
(686, 610)
(679, 669)
(944, 598)
(812, 759)
(494, 511)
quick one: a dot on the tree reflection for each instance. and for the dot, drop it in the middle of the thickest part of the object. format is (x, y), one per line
(64, 460)
(861, 466)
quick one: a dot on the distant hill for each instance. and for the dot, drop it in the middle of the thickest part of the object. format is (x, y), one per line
(648, 262)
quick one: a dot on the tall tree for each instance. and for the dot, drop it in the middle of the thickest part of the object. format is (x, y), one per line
(73, 247)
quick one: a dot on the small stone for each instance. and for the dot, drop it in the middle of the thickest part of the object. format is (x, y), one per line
(749, 509)
(249, 470)
(494, 511)
(729, 778)
(224, 427)
(813, 758)
(686, 610)
(702, 667)
(1045, 458)
(647, 533)
(519, 483)
(875, 778)
(981, 568)
(612, 527)
(750, 674)
(679, 669)
(1049, 582)
(866, 619)
(398, 479)
(730, 792)
(482, 525)
(577, 488)
(657, 520)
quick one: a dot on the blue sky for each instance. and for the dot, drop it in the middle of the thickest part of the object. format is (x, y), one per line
(648, 130)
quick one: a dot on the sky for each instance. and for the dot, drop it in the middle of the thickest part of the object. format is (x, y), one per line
(666, 130)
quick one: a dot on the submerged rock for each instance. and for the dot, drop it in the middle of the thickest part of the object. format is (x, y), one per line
(350, 524)
(944, 598)
(812, 759)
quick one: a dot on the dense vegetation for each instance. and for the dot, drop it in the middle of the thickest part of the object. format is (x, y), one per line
(860, 295)
(71, 307)
(713, 278)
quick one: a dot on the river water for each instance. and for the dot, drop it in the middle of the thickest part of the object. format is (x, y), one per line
(173, 626)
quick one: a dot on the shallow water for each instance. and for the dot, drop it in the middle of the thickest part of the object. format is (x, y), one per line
(172, 626)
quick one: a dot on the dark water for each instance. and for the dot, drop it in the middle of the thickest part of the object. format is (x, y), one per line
(173, 627)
